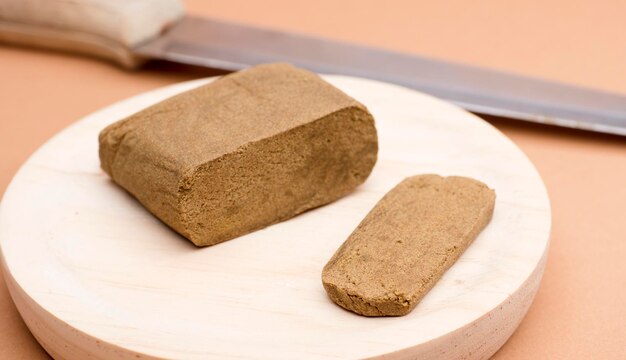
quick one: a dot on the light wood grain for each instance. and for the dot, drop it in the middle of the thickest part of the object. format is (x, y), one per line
(93, 273)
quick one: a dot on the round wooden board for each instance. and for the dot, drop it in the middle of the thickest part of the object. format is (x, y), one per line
(94, 275)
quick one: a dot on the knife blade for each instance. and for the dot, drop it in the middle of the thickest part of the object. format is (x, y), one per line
(131, 32)
(229, 46)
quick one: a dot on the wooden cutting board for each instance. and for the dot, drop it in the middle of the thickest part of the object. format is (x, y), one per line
(94, 275)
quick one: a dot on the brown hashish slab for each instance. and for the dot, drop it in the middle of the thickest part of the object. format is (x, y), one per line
(406, 243)
(250, 149)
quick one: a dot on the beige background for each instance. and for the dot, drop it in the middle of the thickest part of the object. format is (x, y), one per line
(580, 310)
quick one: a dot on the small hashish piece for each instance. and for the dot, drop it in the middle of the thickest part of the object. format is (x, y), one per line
(406, 243)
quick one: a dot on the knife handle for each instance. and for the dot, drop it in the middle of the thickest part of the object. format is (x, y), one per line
(107, 29)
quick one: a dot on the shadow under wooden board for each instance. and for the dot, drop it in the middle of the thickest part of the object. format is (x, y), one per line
(93, 274)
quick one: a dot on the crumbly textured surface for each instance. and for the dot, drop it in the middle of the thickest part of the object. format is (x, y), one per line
(406, 243)
(248, 150)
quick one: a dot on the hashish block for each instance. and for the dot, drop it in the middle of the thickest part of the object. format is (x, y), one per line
(250, 149)
(406, 243)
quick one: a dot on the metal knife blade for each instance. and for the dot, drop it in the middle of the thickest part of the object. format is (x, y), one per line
(229, 46)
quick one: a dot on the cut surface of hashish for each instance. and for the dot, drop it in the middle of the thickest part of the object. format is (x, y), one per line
(406, 243)
(248, 150)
